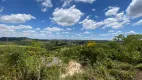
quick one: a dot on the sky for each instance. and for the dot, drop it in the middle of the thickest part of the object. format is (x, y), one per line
(70, 19)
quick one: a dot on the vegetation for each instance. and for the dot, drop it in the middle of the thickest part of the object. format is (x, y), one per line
(28, 59)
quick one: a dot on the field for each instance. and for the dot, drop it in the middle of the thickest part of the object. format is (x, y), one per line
(29, 59)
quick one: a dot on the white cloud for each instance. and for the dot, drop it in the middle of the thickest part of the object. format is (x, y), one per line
(42, 21)
(107, 34)
(67, 2)
(96, 16)
(112, 22)
(93, 9)
(29, 31)
(66, 17)
(21, 27)
(44, 9)
(37, 29)
(45, 4)
(120, 16)
(112, 11)
(65, 32)
(138, 23)
(1, 9)
(118, 21)
(86, 32)
(90, 24)
(117, 33)
(53, 29)
(112, 33)
(134, 10)
(82, 29)
(16, 18)
(69, 29)
(85, 1)
(6, 28)
(131, 32)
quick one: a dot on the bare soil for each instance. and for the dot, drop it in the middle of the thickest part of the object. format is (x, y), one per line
(72, 68)
(139, 75)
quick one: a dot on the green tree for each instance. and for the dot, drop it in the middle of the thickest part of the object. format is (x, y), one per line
(120, 37)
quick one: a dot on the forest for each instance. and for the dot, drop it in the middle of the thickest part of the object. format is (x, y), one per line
(31, 59)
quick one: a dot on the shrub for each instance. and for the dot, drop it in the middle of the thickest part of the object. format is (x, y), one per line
(139, 66)
(122, 75)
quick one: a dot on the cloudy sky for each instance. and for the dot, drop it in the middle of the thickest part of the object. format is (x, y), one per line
(70, 19)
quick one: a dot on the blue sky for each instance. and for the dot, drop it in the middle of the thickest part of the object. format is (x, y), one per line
(70, 19)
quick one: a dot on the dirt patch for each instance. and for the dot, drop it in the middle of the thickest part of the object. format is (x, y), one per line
(139, 75)
(72, 68)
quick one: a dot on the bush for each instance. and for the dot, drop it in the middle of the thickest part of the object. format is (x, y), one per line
(139, 66)
(122, 75)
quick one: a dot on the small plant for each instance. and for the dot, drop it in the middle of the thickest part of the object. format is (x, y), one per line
(139, 66)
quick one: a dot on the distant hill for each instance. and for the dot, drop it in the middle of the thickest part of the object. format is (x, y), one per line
(14, 38)
(51, 40)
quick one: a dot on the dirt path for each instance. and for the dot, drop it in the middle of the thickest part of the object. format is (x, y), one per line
(139, 75)
(72, 68)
